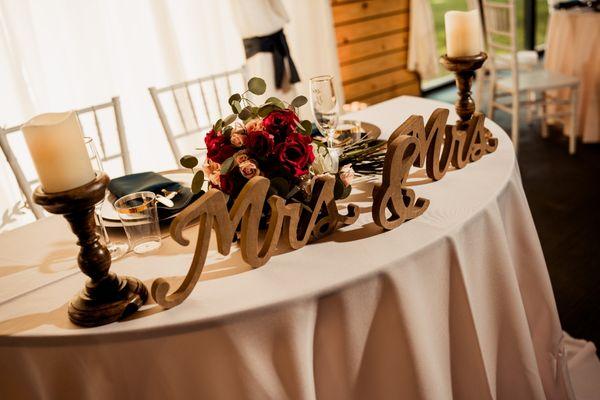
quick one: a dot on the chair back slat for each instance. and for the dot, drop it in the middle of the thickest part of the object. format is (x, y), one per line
(193, 107)
(500, 23)
(205, 103)
(214, 84)
(501, 32)
(200, 105)
(26, 184)
(99, 132)
(179, 112)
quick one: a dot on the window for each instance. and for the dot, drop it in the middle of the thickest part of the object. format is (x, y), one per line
(532, 22)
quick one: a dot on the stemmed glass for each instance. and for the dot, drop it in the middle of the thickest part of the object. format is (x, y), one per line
(116, 249)
(324, 106)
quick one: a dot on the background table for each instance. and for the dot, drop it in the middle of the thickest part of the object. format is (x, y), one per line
(572, 49)
(454, 303)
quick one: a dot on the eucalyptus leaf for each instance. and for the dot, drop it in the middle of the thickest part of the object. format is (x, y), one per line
(245, 113)
(281, 186)
(306, 126)
(236, 107)
(276, 102)
(295, 189)
(234, 97)
(257, 86)
(188, 161)
(265, 110)
(299, 101)
(197, 182)
(227, 131)
(229, 119)
(218, 125)
(227, 165)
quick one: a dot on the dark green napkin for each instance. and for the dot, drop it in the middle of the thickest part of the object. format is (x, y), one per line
(153, 182)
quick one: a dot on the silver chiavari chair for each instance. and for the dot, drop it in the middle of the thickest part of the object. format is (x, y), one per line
(188, 109)
(92, 120)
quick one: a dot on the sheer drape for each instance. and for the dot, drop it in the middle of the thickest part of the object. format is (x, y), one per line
(62, 54)
(422, 43)
(65, 54)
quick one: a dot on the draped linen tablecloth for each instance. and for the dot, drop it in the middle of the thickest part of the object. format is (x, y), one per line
(454, 304)
(572, 49)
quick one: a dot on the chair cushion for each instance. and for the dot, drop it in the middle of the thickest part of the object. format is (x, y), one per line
(526, 59)
(538, 80)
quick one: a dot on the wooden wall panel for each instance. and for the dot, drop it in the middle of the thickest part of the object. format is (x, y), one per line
(372, 41)
(363, 30)
(365, 49)
(381, 62)
(357, 10)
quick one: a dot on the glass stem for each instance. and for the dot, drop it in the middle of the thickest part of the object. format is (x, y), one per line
(101, 224)
(330, 137)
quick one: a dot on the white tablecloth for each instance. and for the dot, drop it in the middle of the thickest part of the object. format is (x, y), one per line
(454, 304)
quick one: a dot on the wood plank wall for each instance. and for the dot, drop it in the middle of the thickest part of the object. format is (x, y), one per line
(372, 42)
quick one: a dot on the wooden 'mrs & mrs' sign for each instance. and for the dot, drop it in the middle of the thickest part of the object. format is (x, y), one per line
(434, 145)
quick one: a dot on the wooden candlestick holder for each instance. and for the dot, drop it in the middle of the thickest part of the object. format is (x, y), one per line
(106, 297)
(464, 68)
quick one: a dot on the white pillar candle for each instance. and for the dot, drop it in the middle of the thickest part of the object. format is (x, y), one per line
(55, 141)
(463, 33)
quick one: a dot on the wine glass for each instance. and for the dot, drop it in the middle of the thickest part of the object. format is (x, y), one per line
(116, 249)
(324, 106)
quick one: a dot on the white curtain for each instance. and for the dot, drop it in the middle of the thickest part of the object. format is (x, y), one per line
(422, 43)
(312, 42)
(65, 54)
(60, 54)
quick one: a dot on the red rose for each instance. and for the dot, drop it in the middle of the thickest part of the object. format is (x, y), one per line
(259, 144)
(226, 183)
(295, 154)
(280, 123)
(218, 148)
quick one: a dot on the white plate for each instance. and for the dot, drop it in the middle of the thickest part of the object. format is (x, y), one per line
(109, 213)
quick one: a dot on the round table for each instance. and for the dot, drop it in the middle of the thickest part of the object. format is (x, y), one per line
(572, 49)
(456, 303)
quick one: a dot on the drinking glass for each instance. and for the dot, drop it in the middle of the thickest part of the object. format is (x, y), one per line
(324, 106)
(116, 249)
(139, 216)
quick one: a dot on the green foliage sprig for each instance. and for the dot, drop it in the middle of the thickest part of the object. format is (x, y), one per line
(245, 109)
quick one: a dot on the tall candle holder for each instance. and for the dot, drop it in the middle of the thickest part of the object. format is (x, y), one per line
(464, 68)
(106, 297)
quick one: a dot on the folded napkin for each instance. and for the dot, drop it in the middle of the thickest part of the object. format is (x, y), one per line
(153, 182)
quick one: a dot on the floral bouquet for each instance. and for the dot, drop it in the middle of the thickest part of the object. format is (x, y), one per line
(266, 140)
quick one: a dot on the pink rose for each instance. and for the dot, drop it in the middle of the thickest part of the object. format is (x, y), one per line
(347, 174)
(254, 125)
(237, 139)
(249, 169)
(240, 157)
(210, 167)
(215, 179)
